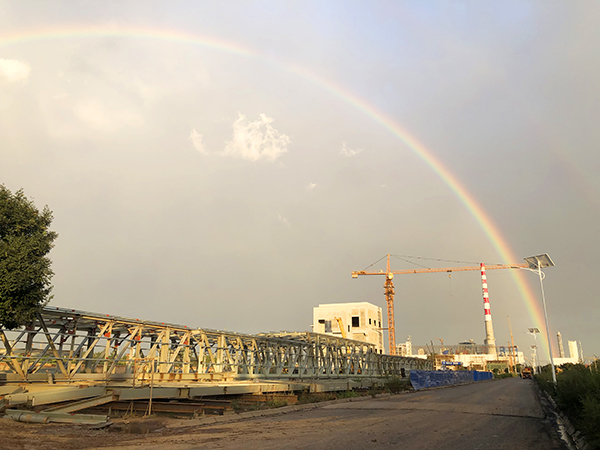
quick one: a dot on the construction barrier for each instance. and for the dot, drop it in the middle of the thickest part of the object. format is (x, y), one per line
(482, 376)
(423, 379)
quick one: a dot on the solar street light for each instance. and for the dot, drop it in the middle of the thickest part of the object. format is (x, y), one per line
(536, 263)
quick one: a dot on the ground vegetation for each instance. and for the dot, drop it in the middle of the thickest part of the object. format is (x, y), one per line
(577, 394)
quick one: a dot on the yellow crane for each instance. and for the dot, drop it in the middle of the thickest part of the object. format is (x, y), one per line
(341, 325)
(388, 287)
(442, 341)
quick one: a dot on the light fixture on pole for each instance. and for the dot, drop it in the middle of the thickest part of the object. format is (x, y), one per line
(534, 332)
(535, 265)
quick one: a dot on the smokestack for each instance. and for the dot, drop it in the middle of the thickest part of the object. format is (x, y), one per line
(489, 341)
(561, 349)
(574, 351)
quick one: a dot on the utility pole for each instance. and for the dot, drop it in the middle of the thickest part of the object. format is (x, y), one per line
(512, 341)
(433, 354)
(534, 348)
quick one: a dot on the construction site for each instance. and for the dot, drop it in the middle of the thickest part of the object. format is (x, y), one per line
(71, 361)
(464, 355)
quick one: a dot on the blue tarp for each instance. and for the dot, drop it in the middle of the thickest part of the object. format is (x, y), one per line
(482, 376)
(422, 379)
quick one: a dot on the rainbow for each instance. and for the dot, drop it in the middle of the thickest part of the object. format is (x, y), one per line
(170, 35)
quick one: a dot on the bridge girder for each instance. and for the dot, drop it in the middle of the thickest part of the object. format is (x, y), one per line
(71, 345)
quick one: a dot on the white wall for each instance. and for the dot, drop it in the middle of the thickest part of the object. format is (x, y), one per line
(368, 316)
(573, 350)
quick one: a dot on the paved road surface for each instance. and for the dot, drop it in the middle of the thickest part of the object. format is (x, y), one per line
(502, 414)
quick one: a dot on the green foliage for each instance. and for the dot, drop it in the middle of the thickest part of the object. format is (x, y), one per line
(315, 397)
(544, 380)
(275, 403)
(577, 394)
(241, 406)
(395, 385)
(375, 390)
(25, 273)
(346, 394)
(503, 375)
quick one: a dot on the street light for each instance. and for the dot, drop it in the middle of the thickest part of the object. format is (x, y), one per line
(535, 265)
(534, 332)
(534, 348)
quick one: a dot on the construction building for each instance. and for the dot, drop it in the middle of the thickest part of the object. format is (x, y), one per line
(359, 321)
(467, 354)
(574, 358)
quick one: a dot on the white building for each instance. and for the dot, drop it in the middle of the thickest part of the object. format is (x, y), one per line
(405, 348)
(466, 354)
(358, 321)
(574, 353)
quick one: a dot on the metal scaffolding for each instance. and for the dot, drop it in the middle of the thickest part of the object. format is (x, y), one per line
(67, 346)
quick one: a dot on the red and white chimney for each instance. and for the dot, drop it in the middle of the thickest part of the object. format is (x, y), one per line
(489, 341)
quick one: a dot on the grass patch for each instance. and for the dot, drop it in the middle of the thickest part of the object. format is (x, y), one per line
(395, 385)
(499, 376)
(270, 404)
(315, 397)
(375, 390)
(241, 406)
(347, 394)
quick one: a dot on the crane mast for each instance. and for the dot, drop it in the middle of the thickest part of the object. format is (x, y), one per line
(388, 287)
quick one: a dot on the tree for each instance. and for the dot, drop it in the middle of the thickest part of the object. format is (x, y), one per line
(25, 273)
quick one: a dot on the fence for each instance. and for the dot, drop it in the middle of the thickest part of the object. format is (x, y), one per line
(423, 379)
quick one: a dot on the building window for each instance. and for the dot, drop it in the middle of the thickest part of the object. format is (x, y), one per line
(369, 321)
(355, 322)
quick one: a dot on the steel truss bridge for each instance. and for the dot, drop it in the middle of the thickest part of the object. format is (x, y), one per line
(73, 355)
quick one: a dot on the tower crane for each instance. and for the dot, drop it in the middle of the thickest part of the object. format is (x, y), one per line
(388, 287)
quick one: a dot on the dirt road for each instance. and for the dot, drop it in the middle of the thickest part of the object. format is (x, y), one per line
(502, 414)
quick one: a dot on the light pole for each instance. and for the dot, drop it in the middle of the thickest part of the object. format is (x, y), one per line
(534, 332)
(535, 265)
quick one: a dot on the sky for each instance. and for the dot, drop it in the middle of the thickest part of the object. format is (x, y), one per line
(227, 165)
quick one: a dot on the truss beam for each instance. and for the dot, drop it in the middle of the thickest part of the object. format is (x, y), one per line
(70, 345)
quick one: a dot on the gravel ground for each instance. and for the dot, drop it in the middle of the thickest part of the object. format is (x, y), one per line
(503, 414)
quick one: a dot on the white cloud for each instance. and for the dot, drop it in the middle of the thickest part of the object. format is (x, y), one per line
(311, 186)
(196, 139)
(284, 221)
(256, 140)
(347, 151)
(14, 70)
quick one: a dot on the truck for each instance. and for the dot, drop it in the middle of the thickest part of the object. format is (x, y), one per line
(526, 373)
